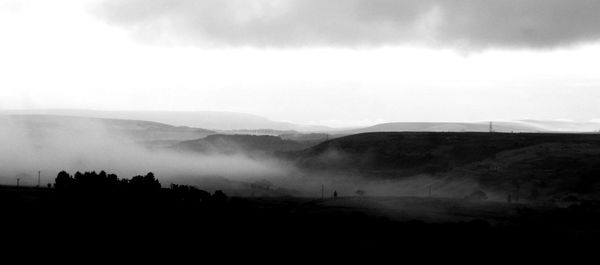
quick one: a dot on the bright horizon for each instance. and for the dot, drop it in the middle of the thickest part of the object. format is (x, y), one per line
(104, 55)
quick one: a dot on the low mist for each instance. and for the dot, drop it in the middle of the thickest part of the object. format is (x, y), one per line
(87, 145)
(49, 144)
(361, 184)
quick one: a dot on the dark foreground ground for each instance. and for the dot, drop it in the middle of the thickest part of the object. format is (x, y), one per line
(165, 223)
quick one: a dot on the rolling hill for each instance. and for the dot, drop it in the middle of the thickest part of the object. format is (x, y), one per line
(549, 163)
(565, 126)
(237, 143)
(141, 131)
(447, 127)
(213, 120)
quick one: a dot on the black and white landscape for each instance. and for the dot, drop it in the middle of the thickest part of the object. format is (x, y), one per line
(300, 127)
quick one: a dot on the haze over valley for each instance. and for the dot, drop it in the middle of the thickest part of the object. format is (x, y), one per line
(392, 159)
(180, 128)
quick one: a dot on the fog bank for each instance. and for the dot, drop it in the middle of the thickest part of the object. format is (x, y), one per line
(87, 145)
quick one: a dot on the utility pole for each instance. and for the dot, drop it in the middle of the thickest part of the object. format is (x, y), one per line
(18, 180)
(39, 172)
(491, 127)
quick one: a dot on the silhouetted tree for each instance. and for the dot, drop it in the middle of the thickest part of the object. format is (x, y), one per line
(63, 181)
(112, 178)
(190, 193)
(78, 177)
(219, 196)
(145, 183)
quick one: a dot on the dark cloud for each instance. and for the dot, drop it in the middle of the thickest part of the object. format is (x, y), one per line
(291, 23)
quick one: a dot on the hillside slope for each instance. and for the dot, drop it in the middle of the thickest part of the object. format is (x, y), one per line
(141, 131)
(213, 120)
(551, 163)
(238, 143)
(448, 127)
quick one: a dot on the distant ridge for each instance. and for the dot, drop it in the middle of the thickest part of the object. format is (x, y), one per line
(565, 126)
(237, 143)
(136, 129)
(447, 127)
(212, 120)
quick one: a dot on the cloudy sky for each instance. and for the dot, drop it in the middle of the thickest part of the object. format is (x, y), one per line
(334, 62)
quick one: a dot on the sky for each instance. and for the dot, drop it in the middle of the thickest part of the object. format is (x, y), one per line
(336, 62)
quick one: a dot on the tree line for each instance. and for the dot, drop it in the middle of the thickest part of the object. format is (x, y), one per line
(92, 183)
(105, 182)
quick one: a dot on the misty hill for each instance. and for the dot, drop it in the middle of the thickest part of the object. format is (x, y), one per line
(259, 132)
(237, 143)
(553, 163)
(307, 139)
(565, 126)
(143, 131)
(214, 120)
(447, 127)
